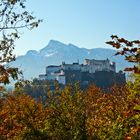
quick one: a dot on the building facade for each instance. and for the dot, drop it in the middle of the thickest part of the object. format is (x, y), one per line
(88, 72)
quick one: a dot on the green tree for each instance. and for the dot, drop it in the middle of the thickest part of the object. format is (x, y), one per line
(67, 116)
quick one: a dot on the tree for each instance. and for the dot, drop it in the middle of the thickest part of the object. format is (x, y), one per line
(13, 18)
(130, 49)
(21, 117)
(112, 116)
(67, 116)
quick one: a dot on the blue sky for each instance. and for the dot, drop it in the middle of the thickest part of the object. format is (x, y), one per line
(85, 23)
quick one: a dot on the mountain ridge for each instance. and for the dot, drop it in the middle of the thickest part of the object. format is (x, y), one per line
(34, 62)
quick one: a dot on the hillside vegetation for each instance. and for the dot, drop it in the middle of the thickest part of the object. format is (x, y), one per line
(68, 114)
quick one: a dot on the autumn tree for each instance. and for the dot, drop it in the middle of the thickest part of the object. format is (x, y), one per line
(21, 117)
(113, 115)
(13, 19)
(129, 49)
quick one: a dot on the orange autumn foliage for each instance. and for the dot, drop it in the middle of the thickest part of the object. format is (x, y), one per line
(20, 115)
(72, 114)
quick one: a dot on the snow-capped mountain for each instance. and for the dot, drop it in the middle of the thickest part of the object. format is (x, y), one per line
(34, 62)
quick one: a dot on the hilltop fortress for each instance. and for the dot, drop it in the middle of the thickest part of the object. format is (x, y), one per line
(100, 72)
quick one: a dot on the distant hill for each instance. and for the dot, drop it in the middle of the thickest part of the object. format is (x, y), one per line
(34, 62)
